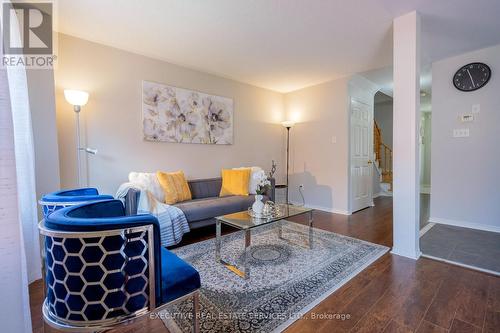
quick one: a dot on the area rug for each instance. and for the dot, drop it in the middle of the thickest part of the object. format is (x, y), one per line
(286, 280)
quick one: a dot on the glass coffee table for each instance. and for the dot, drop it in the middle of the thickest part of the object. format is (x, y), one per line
(243, 221)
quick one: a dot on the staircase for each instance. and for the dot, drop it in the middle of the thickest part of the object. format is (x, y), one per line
(383, 158)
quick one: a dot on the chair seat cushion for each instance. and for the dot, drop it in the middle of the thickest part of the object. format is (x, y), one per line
(178, 277)
(207, 208)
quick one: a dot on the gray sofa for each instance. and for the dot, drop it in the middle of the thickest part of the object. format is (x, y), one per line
(206, 203)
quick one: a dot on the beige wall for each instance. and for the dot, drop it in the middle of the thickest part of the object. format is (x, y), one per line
(111, 121)
(464, 171)
(316, 162)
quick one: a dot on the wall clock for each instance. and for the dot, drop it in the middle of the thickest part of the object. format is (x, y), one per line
(472, 76)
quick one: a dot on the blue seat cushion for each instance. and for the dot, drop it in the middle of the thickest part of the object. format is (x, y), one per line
(178, 277)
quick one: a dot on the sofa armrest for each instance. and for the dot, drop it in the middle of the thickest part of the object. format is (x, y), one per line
(131, 201)
(270, 193)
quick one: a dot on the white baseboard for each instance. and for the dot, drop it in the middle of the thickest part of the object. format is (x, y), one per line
(325, 209)
(461, 265)
(465, 224)
(427, 227)
(425, 189)
(400, 253)
(382, 194)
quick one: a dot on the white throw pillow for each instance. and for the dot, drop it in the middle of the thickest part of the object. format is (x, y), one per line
(148, 181)
(254, 179)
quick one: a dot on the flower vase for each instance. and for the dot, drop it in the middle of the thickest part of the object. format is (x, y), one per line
(258, 205)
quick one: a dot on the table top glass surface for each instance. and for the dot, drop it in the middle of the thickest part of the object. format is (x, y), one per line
(243, 220)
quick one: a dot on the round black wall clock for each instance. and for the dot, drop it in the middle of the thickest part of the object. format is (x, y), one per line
(472, 76)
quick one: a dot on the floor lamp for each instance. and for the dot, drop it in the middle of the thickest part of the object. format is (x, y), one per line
(78, 99)
(288, 124)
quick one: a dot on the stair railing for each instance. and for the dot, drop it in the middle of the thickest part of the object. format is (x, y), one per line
(383, 155)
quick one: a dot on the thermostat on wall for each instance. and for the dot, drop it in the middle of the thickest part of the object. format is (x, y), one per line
(465, 118)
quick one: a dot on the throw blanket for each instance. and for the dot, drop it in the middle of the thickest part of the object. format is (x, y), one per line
(173, 222)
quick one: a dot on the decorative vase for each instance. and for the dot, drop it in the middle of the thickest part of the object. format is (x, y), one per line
(258, 205)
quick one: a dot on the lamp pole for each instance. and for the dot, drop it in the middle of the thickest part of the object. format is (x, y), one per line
(78, 98)
(287, 124)
(287, 159)
(77, 109)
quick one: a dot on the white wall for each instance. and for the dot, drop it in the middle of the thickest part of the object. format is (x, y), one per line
(383, 117)
(111, 121)
(426, 149)
(465, 171)
(316, 162)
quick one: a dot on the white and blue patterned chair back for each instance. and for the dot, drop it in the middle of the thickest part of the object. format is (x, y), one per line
(101, 272)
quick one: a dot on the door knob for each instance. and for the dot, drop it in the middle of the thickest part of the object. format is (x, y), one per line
(369, 162)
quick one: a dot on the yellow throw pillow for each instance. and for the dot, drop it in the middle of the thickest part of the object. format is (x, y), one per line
(235, 182)
(175, 186)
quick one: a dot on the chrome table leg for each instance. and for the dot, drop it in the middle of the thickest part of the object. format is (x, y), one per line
(311, 220)
(244, 272)
(246, 269)
(218, 240)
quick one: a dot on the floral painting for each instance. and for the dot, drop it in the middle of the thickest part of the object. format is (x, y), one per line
(173, 114)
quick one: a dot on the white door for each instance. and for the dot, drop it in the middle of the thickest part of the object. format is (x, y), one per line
(361, 154)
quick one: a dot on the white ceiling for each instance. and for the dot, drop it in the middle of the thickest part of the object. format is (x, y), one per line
(281, 45)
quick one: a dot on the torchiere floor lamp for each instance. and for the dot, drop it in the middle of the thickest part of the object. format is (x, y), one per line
(78, 98)
(288, 124)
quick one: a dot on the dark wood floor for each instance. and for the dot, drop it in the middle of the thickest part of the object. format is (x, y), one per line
(394, 294)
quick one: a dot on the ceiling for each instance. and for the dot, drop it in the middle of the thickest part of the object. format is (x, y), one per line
(282, 45)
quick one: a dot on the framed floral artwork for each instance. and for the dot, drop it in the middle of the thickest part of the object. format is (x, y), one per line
(171, 114)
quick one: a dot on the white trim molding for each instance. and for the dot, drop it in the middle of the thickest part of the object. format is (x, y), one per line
(325, 209)
(427, 227)
(465, 224)
(411, 254)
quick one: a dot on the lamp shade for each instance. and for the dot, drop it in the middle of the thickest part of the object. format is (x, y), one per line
(76, 97)
(288, 123)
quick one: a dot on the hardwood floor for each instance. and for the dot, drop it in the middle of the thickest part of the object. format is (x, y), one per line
(394, 294)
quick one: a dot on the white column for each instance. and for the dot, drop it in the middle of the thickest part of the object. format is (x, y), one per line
(405, 142)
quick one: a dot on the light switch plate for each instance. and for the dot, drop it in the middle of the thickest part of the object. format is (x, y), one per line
(476, 108)
(334, 139)
(460, 132)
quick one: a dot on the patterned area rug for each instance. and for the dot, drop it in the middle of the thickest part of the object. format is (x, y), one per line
(286, 280)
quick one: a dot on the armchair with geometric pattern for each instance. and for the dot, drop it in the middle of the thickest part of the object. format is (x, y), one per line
(103, 268)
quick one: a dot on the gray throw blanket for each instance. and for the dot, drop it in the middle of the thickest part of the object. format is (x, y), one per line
(173, 222)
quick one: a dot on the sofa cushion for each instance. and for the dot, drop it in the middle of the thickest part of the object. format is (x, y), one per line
(201, 209)
(177, 276)
(205, 188)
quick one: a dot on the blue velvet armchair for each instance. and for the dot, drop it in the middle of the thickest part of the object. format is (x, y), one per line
(104, 268)
(60, 199)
